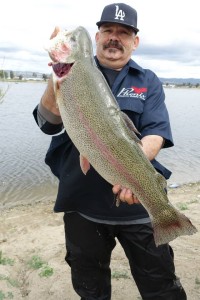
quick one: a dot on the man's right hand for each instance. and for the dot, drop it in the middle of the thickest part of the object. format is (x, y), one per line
(55, 32)
(48, 100)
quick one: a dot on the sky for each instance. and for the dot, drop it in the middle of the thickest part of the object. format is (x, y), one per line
(169, 33)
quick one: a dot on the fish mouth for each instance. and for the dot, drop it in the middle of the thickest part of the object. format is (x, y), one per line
(61, 69)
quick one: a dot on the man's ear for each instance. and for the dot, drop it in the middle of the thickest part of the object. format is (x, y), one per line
(97, 36)
(136, 42)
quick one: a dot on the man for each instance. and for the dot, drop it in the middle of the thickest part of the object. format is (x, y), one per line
(92, 220)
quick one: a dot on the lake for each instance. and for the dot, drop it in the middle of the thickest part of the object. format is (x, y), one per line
(24, 177)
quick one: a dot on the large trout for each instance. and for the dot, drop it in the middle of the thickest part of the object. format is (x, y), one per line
(104, 135)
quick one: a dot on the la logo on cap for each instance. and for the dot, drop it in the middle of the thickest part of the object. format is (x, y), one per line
(119, 14)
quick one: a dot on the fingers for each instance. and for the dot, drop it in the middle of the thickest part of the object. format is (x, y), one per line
(116, 188)
(125, 195)
(55, 32)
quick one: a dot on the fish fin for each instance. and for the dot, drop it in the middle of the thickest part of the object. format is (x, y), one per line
(172, 227)
(84, 164)
(132, 127)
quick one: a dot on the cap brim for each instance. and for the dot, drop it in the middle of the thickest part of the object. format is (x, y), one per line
(117, 22)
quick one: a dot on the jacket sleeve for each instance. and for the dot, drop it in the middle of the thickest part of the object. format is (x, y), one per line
(155, 118)
(44, 125)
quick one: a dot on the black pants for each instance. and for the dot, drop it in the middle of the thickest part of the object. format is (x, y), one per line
(89, 247)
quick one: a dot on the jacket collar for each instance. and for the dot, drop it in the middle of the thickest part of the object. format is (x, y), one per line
(131, 64)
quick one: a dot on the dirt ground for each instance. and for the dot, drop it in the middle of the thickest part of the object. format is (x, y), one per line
(32, 253)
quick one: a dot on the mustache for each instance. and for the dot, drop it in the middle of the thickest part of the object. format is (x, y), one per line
(115, 44)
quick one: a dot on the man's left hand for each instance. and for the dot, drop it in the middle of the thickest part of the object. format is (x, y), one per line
(124, 194)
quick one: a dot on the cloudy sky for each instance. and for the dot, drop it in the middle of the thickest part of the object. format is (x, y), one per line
(169, 33)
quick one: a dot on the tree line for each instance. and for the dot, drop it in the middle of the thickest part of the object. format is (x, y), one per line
(11, 75)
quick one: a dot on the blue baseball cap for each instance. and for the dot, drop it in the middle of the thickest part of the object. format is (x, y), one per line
(119, 13)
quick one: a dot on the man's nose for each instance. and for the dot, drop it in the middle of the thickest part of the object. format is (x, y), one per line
(114, 36)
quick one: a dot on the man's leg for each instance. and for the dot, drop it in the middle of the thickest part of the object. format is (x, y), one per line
(89, 246)
(152, 267)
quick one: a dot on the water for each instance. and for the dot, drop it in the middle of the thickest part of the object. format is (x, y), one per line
(24, 177)
(184, 158)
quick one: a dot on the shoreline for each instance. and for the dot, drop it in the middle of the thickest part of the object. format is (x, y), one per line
(32, 251)
(10, 205)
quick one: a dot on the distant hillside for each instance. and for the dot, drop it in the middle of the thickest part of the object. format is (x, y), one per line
(192, 81)
(26, 74)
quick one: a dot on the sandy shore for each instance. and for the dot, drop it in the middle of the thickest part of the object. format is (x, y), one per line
(32, 253)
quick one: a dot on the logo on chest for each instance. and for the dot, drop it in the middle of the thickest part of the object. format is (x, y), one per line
(133, 92)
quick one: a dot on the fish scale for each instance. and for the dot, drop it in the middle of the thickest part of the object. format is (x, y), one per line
(97, 127)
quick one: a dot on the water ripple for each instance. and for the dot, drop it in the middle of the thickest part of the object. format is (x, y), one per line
(24, 177)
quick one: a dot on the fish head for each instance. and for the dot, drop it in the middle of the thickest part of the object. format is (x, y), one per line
(68, 47)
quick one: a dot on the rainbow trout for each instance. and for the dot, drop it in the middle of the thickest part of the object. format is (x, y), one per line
(104, 135)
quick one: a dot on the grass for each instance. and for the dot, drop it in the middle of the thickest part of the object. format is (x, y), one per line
(46, 271)
(37, 263)
(120, 274)
(11, 281)
(8, 295)
(182, 206)
(5, 260)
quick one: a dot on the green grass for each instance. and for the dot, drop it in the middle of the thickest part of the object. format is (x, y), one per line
(11, 281)
(46, 271)
(8, 295)
(120, 274)
(182, 206)
(37, 263)
(6, 260)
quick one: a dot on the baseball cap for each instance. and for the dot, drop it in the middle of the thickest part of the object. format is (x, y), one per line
(120, 13)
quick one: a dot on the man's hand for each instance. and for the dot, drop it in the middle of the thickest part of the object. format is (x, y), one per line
(124, 194)
(48, 100)
(55, 32)
(151, 144)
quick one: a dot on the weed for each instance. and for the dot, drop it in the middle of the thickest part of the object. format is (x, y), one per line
(10, 295)
(36, 262)
(182, 206)
(120, 274)
(11, 281)
(6, 260)
(46, 271)
(3, 296)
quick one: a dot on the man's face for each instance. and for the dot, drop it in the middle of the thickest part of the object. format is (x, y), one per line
(115, 44)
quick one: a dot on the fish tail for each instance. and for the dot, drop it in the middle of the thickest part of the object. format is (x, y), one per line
(166, 231)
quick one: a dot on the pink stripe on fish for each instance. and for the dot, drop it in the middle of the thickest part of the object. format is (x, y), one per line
(105, 150)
